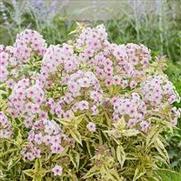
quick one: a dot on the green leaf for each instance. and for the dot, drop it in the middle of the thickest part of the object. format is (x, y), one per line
(37, 178)
(60, 155)
(113, 174)
(29, 172)
(138, 174)
(77, 120)
(161, 149)
(13, 162)
(88, 148)
(75, 158)
(130, 132)
(73, 122)
(38, 172)
(65, 122)
(74, 177)
(120, 124)
(19, 139)
(121, 155)
(76, 135)
(38, 165)
(8, 152)
(93, 171)
(152, 136)
(108, 120)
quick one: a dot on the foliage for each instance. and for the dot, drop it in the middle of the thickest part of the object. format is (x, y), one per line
(20, 15)
(165, 42)
(168, 175)
(74, 111)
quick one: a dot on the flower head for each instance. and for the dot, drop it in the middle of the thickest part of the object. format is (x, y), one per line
(91, 127)
(57, 170)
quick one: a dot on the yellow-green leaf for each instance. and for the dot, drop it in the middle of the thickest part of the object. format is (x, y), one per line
(29, 172)
(138, 173)
(93, 171)
(130, 132)
(121, 155)
(75, 158)
(76, 135)
(120, 124)
(161, 149)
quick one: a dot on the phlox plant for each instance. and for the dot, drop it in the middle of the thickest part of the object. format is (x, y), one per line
(88, 109)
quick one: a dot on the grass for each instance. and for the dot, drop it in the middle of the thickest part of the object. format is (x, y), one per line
(170, 175)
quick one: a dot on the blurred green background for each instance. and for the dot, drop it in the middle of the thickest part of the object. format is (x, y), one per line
(154, 23)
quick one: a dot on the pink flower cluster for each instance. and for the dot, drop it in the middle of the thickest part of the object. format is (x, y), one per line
(25, 101)
(27, 43)
(132, 108)
(91, 41)
(158, 89)
(83, 93)
(88, 76)
(44, 135)
(57, 58)
(5, 126)
(4, 60)
(122, 65)
(86, 85)
(30, 152)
